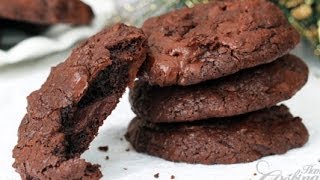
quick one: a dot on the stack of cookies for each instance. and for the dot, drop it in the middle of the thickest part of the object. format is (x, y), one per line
(209, 89)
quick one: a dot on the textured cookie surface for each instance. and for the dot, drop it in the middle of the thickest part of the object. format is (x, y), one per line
(64, 115)
(238, 139)
(189, 46)
(46, 11)
(248, 90)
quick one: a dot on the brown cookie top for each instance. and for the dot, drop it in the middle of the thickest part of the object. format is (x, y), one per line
(65, 113)
(237, 139)
(208, 41)
(248, 90)
(46, 11)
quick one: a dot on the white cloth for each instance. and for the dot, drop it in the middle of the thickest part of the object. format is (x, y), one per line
(59, 37)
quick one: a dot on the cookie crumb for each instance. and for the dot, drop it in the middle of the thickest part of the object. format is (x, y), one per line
(127, 149)
(125, 169)
(107, 157)
(103, 148)
(156, 175)
(172, 177)
(254, 174)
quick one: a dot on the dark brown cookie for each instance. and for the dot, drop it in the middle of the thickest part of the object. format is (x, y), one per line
(46, 11)
(209, 41)
(65, 113)
(246, 91)
(238, 139)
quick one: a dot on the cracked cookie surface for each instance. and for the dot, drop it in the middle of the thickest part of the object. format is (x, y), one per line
(237, 139)
(248, 90)
(64, 115)
(208, 41)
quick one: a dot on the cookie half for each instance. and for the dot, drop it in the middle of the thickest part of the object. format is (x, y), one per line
(238, 139)
(246, 91)
(46, 12)
(64, 115)
(208, 41)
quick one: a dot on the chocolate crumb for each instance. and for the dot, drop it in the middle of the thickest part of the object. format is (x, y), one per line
(127, 149)
(156, 175)
(254, 174)
(103, 148)
(125, 169)
(107, 157)
(172, 177)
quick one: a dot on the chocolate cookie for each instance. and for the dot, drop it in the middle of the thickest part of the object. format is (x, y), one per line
(209, 41)
(238, 139)
(46, 11)
(65, 113)
(248, 90)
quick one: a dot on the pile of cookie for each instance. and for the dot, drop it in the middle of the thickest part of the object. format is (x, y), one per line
(209, 88)
(209, 81)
